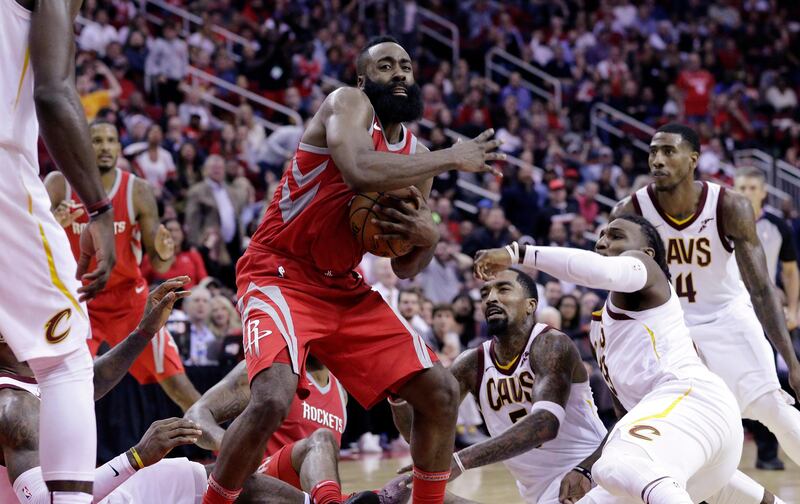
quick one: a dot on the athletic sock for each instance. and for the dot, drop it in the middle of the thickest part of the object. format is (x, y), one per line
(429, 487)
(70, 498)
(217, 494)
(326, 492)
(665, 491)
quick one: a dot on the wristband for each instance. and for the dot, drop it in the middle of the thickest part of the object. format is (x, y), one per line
(137, 458)
(513, 251)
(585, 472)
(459, 463)
(98, 208)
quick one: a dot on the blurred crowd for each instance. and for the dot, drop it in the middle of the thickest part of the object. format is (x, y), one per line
(729, 67)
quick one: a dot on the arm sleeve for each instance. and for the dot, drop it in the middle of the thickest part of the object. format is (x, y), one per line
(619, 274)
(111, 475)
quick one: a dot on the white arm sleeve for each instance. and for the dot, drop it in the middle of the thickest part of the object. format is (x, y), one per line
(110, 475)
(620, 274)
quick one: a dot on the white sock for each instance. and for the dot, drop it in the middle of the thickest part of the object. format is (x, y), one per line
(70, 498)
(665, 491)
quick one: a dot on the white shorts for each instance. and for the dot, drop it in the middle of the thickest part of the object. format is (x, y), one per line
(550, 494)
(40, 315)
(170, 481)
(735, 348)
(689, 428)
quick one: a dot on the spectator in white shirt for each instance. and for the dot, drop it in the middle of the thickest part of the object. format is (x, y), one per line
(194, 106)
(203, 39)
(155, 162)
(98, 34)
(781, 96)
(409, 305)
(167, 64)
(385, 281)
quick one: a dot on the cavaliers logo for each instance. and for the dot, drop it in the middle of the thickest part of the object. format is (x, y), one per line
(51, 333)
(637, 430)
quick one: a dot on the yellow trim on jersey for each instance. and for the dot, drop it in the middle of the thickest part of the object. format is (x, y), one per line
(652, 340)
(666, 411)
(507, 366)
(679, 222)
(598, 313)
(25, 64)
(54, 274)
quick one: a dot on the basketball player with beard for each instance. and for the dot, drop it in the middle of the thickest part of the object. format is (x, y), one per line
(297, 285)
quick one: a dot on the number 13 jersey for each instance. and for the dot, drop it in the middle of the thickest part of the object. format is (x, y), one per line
(699, 254)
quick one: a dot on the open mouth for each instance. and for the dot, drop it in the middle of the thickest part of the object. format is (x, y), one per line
(494, 312)
(660, 174)
(400, 91)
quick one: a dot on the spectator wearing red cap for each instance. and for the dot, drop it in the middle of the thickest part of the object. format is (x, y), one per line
(559, 207)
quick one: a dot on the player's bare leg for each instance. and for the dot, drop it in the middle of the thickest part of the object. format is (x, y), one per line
(259, 488)
(433, 394)
(316, 459)
(272, 391)
(180, 390)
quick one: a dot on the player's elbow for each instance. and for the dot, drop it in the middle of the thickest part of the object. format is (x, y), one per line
(50, 94)
(549, 427)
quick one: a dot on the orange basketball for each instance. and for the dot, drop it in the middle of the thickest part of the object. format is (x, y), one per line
(361, 214)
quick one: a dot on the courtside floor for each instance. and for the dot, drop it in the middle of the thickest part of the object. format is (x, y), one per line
(493, 484)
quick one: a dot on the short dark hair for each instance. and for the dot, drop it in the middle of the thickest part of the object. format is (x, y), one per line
(363, 55)
(443, 307)
(654, 240)
(414, 291)
(102, 122)
(527, 283)
(687, 133)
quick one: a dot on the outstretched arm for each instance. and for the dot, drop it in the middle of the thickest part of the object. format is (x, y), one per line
(554, 362)
(625, 273)
(224, 401)
(739, 225)
(347, 117)
(110, 367)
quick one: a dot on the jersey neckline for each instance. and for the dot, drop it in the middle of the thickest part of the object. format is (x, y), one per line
(701, 202)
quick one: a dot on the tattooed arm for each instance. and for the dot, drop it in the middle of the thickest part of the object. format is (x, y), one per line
(739, 225)
(556, 363)
(224, 401)
(464, 368)
(19, 431)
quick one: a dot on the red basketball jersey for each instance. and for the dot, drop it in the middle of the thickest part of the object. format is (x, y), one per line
(324, 407)
(308, 217)
(127, 235)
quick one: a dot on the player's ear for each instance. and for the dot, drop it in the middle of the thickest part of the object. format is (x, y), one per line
(694, 157)
(650, 251)
(531, 308)
(360, 82)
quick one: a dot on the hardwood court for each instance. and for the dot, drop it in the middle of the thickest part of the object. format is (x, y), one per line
(494, 485)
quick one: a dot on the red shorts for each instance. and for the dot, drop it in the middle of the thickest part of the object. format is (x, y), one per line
(368, 346)
(279, 466)
(114, 315)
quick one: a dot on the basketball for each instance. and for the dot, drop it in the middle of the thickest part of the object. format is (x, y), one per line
(361, 214)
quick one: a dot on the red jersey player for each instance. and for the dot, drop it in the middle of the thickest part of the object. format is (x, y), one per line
(115, 312)
(304, 451)
(297, 286)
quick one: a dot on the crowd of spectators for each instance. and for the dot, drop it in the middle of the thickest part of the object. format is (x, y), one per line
(729, 67)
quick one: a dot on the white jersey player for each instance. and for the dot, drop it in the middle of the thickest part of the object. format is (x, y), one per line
(701, 223)
(43, 315)
(533, 391)
(681, 438)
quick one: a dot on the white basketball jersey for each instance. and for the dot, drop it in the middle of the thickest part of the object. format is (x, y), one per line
(19, 128)
(699, 255)
(637, 351)
(505, 398)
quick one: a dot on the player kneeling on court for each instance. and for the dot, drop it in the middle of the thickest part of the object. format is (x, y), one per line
(533, 391)
(681, 439)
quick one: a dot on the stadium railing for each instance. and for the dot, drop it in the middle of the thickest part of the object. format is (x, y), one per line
(501, 62)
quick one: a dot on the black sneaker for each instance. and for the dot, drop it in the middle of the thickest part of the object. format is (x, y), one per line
(775, 464)
(366, 497)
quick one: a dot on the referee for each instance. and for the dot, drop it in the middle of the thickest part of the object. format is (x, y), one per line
(776, 239)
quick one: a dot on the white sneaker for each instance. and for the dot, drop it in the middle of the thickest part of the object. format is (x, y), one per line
(370, 443)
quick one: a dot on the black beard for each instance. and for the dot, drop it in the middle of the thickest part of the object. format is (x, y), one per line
(393, 109)
(497, 327)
